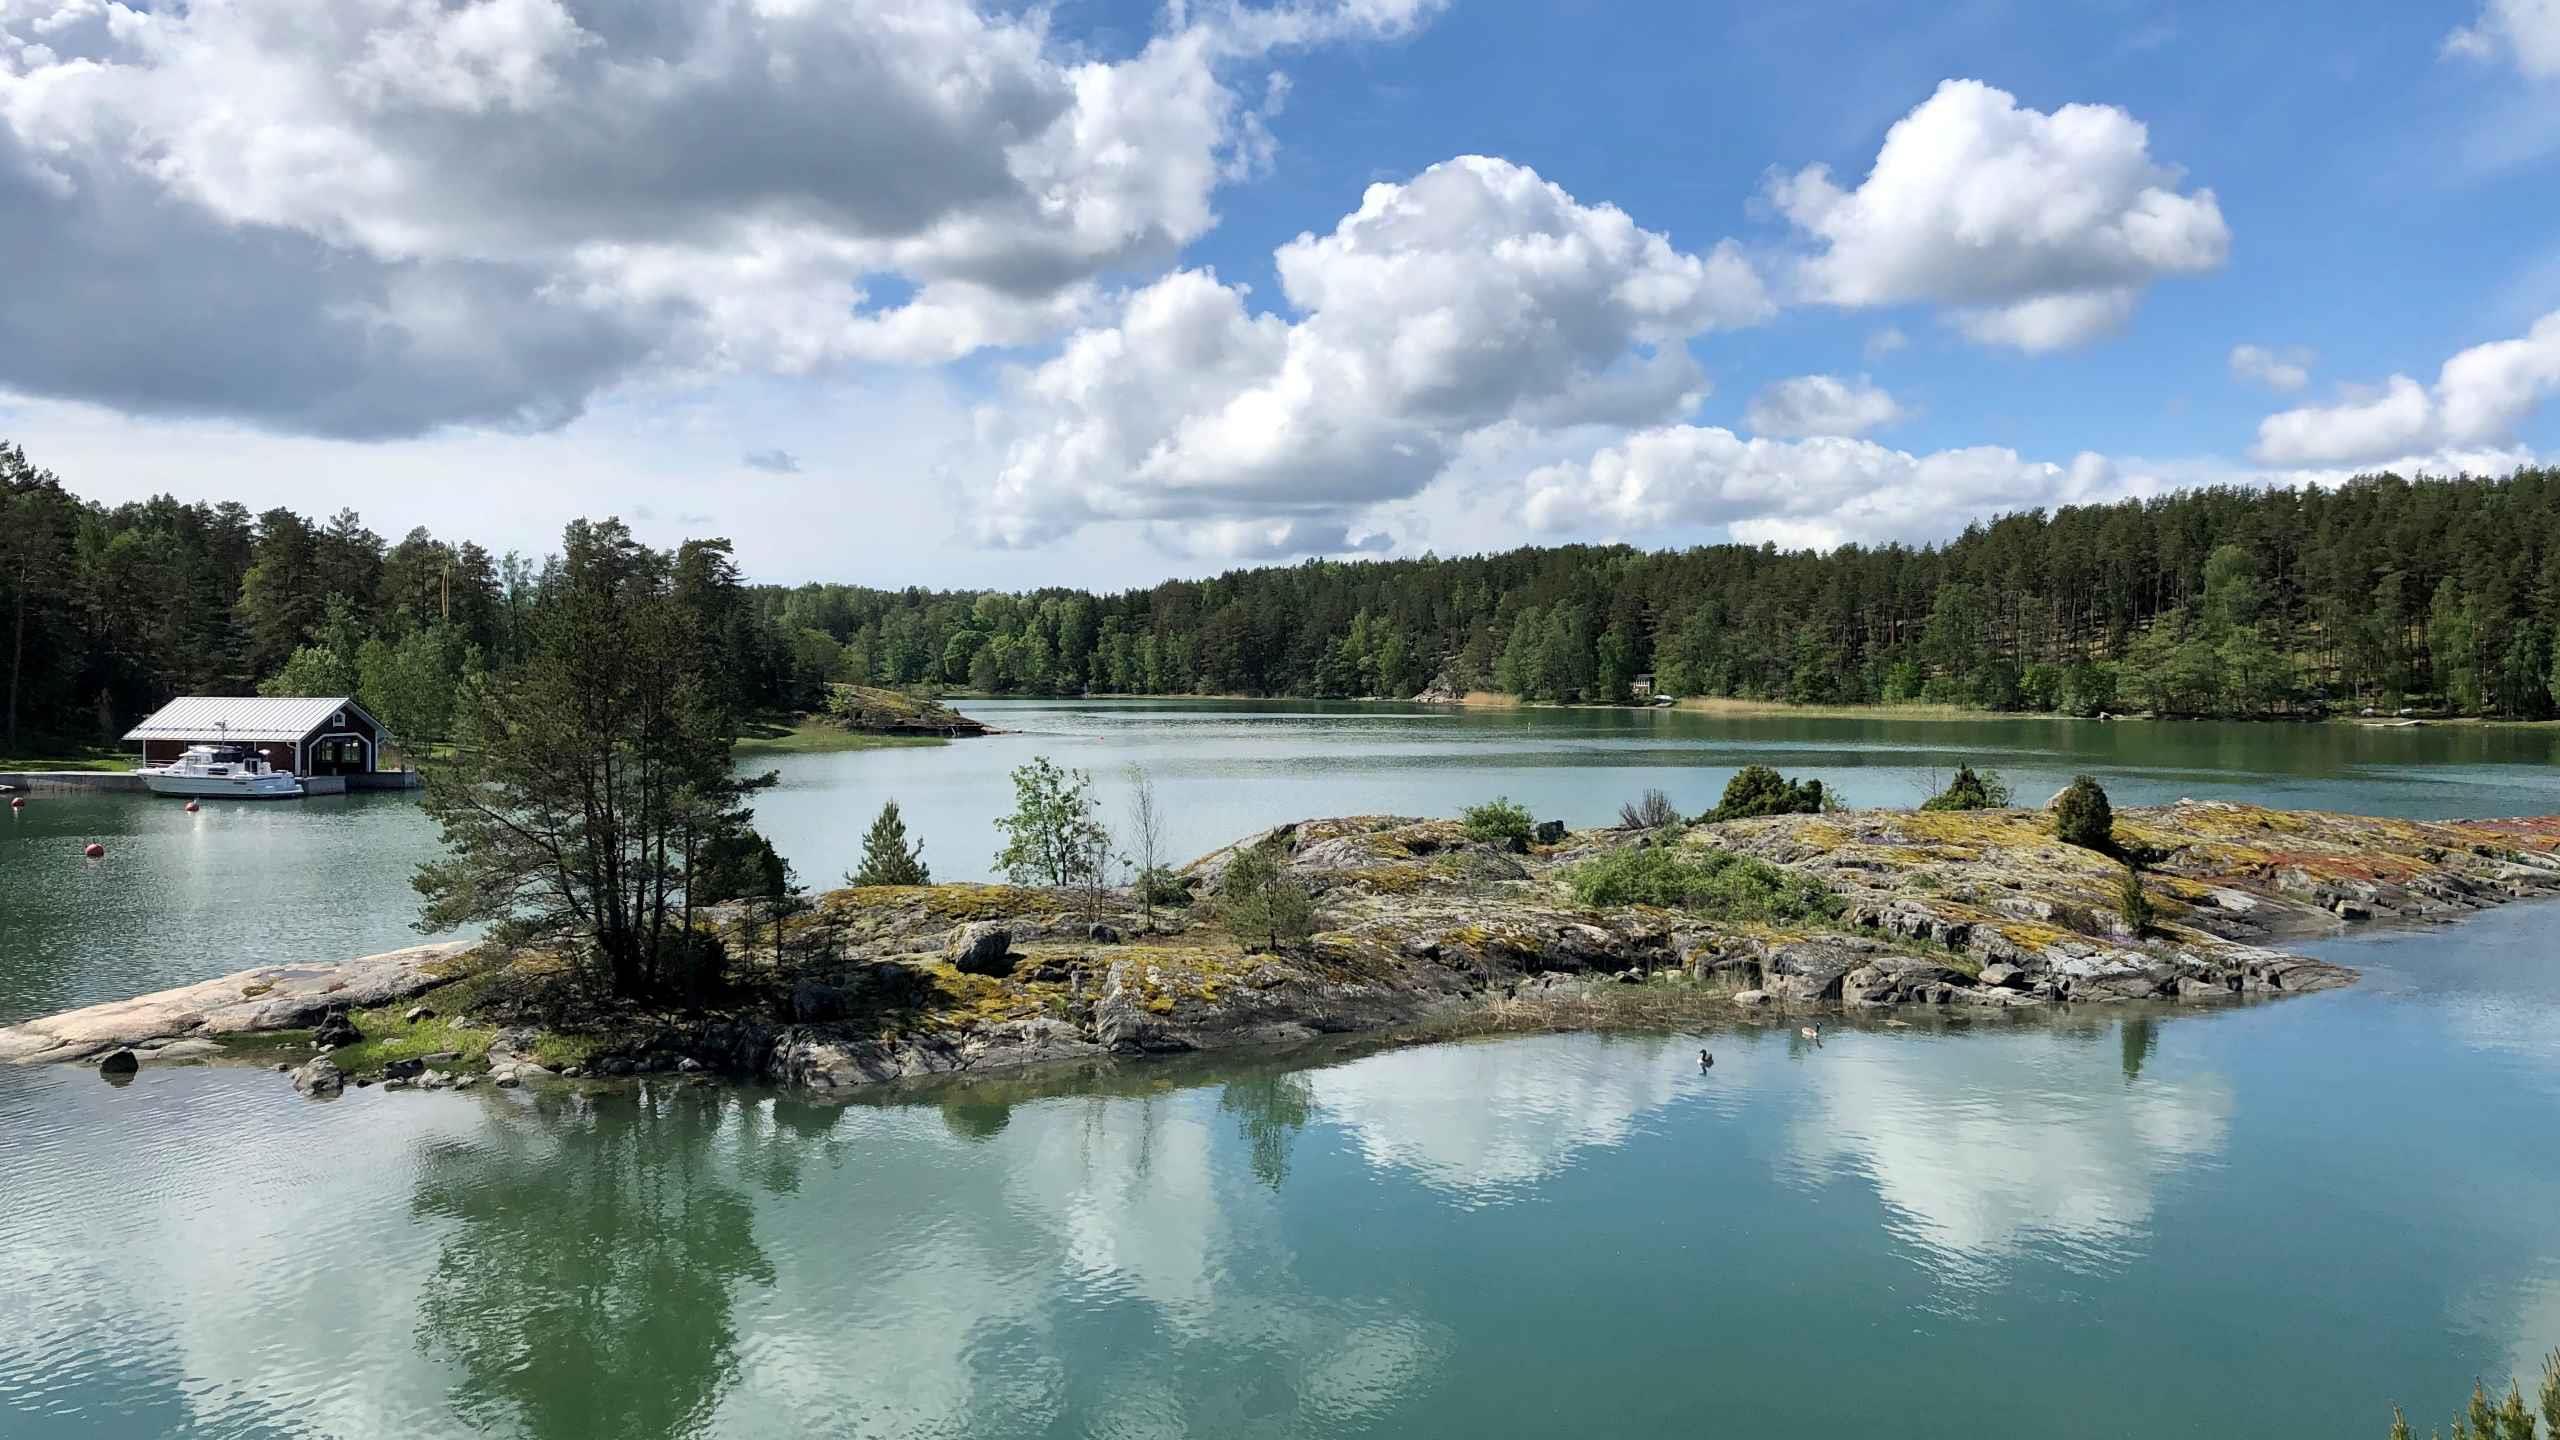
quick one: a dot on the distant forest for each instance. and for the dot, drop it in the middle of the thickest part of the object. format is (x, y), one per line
(2384, 593)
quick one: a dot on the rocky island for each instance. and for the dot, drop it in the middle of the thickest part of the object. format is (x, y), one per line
(1417, 926)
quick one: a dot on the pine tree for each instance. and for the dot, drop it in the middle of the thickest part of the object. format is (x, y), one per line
(888, 857)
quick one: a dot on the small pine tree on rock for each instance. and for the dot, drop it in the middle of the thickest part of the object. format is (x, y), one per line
(2082, 816)
(2134, 903)
(888, 857)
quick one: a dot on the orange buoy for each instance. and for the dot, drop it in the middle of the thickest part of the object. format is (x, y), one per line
(95, 851)
(191, 807)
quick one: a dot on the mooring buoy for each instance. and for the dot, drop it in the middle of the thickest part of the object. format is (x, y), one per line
(95, 851)
(192, 807)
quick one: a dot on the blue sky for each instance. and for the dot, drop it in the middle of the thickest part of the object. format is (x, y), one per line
(464, 265)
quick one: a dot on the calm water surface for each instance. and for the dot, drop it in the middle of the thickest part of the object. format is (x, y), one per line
(182, 897)
(2270, 1221)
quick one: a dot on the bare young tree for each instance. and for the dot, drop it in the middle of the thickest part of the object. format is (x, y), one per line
(1146, 840)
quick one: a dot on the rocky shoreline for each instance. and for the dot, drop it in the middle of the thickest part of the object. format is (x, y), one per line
(1417, 926)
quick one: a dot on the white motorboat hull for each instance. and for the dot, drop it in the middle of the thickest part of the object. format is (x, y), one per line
(234, 787)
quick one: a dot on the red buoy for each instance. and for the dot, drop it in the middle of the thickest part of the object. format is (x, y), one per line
(95, 851)
(17, 802)
(191, 807)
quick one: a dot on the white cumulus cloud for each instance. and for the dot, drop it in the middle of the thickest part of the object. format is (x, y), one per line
(1816, 493)
(1821, 405)
(2277, 370)
(2036, 230)
(1474, 295)
(395, 214)
(2479, 398)
(2526, 30)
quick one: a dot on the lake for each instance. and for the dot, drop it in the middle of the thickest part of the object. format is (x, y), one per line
(181, 897)
(2129, 1222)
(2271, 1221)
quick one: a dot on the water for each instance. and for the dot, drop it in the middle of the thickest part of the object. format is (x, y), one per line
(184, 897)
(2273, 1221)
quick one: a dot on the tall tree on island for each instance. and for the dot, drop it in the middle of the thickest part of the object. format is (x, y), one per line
(585, 783)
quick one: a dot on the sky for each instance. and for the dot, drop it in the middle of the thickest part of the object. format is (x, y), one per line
(933, 292)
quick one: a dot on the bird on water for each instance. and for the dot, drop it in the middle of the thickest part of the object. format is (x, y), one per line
(1706, 1061)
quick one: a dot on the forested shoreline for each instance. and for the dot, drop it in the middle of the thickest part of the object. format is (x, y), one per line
(2386, 593)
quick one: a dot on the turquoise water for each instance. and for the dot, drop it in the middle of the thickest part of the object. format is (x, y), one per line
(183, 897)
(2272, 1221)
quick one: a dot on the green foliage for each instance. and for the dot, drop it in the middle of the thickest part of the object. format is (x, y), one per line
(1262, 904)
(2440, 594)
(888, 857)
(1500, 822)
(734, 864)
(1759, 790)
(1052, 837)
(2082, 816)
(2133, 903)
(590, 800)
(1971, 790)
(1719, 883)
(2508, 1419)
(1157, 885)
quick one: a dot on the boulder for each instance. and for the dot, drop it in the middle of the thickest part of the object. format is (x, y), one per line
(319, 1076)
(813, 1001)
(417, 1013)
(119, 1061)
(981, 948)
(404, 1069)
(335, 1029)
(1813, 969)
(1548, 832)
(1749, 998)
(1101, 934)
(2001, 975)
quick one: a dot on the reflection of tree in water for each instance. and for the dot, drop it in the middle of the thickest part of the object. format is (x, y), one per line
(2141, 1037)
(585, 1287)
(976, 1120)
(1270, 1110)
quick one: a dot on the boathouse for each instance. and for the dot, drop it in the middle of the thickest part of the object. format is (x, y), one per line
(320, 735)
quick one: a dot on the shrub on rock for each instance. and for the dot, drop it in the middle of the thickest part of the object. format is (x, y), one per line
(2132, 903)
(1714, 882)
(1759, 790)
(1500, 822)
(1265, 906)
(1971, 790)
(2082, 816)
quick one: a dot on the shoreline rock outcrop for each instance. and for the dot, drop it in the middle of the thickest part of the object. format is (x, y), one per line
(1417, 923)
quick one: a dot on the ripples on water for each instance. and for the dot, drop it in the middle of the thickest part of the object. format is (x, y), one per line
(1904, 1231)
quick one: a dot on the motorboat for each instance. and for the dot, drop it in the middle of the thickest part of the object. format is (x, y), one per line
(214, 771)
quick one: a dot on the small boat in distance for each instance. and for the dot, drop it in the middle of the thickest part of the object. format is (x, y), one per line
(221, 770)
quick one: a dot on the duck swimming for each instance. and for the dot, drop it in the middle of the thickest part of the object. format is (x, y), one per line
(1706, 1061)
(1812, 1033)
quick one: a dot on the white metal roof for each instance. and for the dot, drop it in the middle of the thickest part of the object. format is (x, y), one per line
(244, 718)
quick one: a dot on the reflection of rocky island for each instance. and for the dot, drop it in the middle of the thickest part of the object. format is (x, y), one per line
(1416, 924)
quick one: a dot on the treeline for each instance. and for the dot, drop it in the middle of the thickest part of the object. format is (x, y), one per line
(2385, 593)
(112, 611)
